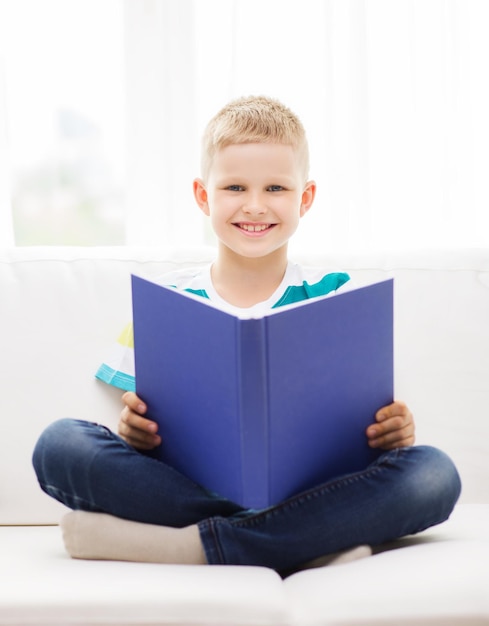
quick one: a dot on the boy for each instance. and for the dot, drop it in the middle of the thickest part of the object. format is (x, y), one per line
(254, 188)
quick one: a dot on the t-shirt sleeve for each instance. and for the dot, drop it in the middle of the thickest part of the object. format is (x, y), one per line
(118, 369)
(346, 285)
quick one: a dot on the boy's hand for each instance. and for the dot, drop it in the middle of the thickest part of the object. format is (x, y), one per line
(393, 428)
(138, 431)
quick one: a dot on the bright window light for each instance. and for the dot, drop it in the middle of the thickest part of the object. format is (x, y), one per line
(64, 100)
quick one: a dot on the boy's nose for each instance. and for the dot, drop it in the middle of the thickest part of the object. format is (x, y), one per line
(254, 205)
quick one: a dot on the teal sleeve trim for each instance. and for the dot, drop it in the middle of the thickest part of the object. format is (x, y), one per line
(198, 292)
(330, 282)
(117, 379)
(298, 293)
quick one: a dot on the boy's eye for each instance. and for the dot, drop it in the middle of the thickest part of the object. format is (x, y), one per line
(275, 188)
(235, 188)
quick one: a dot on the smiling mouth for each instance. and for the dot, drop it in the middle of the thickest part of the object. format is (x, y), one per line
(254, 228)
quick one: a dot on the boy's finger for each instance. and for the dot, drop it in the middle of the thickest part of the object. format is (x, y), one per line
(392, 430)
(390, 425)
(135, 428)
(131, 400)
(391, 410)
(136, 421)
(141, 441)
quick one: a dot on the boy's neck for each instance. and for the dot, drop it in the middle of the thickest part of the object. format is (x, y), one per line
(244, 282)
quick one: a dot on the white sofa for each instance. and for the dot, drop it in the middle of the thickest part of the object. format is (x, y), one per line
(60, 309)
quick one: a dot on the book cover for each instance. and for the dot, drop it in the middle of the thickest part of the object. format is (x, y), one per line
(261, 409)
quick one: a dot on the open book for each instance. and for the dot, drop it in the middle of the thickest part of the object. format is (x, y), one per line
(258, 410)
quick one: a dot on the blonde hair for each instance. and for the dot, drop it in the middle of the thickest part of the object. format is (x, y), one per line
(254, 119)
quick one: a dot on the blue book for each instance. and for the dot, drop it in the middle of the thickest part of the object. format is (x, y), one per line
(259, 410)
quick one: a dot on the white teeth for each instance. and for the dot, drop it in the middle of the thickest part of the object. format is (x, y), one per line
(254, 228)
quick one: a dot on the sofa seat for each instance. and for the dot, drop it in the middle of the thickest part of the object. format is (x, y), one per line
(439, 577)
(46, 587)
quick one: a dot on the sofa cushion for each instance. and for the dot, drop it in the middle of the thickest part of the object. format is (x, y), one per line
(41, 585)
(437, 577)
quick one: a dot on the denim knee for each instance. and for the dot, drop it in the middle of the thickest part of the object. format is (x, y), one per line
(58, 446)
(435, 481)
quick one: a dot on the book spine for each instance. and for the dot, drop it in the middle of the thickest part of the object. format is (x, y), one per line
(253, 412)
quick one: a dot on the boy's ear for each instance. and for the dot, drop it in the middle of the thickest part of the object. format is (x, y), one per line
(308, 196)
(200, 195)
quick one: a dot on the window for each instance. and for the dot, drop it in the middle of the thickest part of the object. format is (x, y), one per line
(64, 113)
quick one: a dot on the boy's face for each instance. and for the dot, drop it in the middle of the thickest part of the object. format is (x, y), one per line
(255, 196)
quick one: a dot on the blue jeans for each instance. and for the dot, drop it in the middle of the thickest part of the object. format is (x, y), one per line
(88, 467)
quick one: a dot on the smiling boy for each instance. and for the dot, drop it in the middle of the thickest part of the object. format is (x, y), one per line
(255, 195)
(255, 189)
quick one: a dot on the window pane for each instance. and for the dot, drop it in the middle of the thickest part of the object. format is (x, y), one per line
(64, 84)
